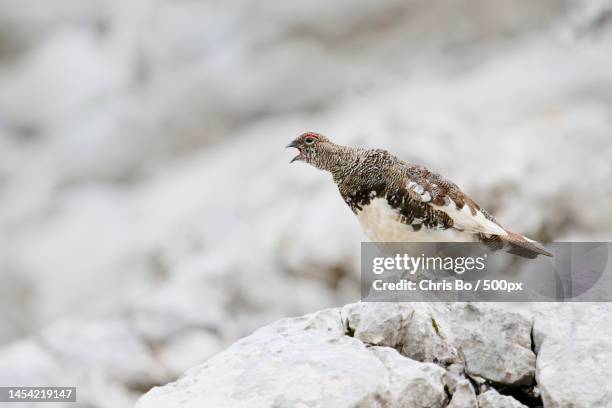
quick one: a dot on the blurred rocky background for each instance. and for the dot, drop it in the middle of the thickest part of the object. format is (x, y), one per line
(148, 213)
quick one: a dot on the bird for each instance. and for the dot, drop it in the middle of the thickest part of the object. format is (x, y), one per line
(396, 201)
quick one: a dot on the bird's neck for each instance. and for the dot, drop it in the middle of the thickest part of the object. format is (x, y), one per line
(339, 160)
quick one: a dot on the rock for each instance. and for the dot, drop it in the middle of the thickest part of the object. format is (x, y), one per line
(418, 330)
(493, 399)
(455, 375)
(306, 361)
(464, 396)
(573, 343)
(365, 354)
(492, 343)
(411, 384)
(495, 344)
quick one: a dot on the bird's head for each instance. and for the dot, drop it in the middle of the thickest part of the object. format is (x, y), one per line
(313, 147)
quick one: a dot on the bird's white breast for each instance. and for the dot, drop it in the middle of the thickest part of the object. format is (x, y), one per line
(381, 223)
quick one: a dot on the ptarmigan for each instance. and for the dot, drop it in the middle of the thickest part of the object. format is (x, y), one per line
(395, 201)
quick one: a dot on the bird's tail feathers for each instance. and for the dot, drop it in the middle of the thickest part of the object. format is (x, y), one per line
(522, 246)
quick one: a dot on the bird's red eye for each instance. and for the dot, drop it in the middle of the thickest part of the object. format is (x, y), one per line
(309, 140)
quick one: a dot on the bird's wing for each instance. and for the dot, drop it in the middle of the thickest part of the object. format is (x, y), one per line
(443, 195)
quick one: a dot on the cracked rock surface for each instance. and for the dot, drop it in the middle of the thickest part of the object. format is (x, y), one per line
(492, 399)
(464, 396)
(460, 355)
(367, 355)
(492, 344)
(306, 361)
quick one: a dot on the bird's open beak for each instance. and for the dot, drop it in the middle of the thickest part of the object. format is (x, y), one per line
(295, 145)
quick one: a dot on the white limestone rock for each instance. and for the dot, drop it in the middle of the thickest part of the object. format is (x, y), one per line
(464, 396)
(574, 347)
(495, 344)
(491, 343)
(305, 361)
(411, 383)
(419, 330)
(365, 354)
(493, 399)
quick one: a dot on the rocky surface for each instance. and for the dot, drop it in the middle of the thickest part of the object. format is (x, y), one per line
(358, 356)
(307, 361)
(574, 347)
(491, 344)
(390, 355)
(495, 345)
(463, 396)
(492, 399)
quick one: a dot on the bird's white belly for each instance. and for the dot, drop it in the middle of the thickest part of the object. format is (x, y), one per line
(381, 223)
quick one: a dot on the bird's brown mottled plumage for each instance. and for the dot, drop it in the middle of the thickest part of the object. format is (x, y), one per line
(419, 197)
